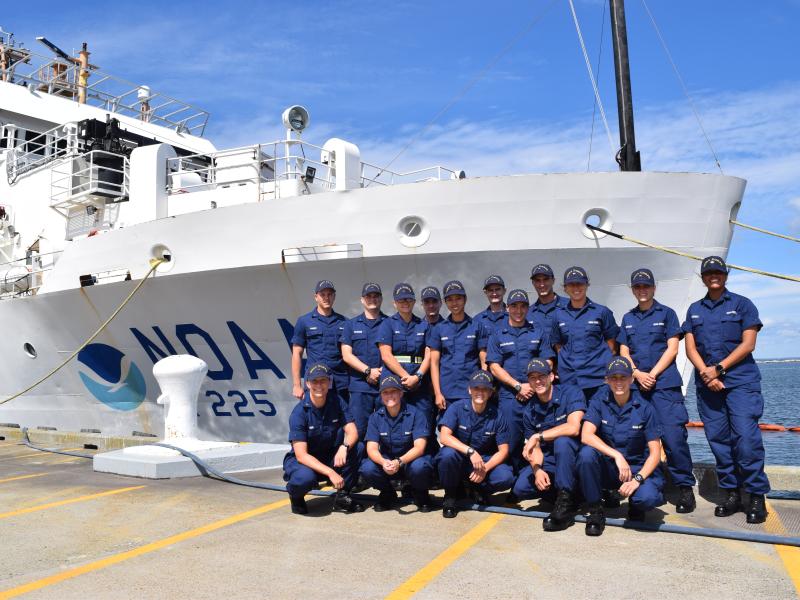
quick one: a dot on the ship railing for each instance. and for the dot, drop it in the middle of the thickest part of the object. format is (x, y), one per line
(110, 93)
(91, 179)
(269, 164)
(41, 150)
(24, 276)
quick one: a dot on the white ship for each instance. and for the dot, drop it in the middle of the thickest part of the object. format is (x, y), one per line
(99, 176)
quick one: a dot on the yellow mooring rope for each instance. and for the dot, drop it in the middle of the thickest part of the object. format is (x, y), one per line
(692, 256)
(154, 263)
(767, 231)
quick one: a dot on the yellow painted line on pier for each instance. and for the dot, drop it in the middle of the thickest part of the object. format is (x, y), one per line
(18, 477)
(790, 555)
(42, 453)
(38, 507)
(432, 570)
(147, 548)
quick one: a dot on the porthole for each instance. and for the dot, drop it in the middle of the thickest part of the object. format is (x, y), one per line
(413, 231)
(29, 350)
(597, 217)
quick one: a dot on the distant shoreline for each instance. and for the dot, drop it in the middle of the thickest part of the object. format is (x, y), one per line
(777, 360)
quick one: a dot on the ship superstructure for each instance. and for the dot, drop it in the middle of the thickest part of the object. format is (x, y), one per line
(96, 181)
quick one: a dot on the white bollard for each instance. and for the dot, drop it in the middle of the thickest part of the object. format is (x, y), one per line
(180, 378)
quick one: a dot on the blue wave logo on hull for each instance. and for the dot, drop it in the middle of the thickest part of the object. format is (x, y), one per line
(122, 386)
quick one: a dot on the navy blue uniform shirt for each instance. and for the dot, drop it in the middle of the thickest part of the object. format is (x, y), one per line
(541, 416)
(321, 428)
(395, 435)
(362, 334)
(544, 314)
(582, 334)
(626, 429)
(717, 328)
(513, 347)
(646, 334)
(491, 320)
(483, 432)
(460, 345)
(319, 335)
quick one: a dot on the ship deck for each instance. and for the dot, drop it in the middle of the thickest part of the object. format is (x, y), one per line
(68, 532)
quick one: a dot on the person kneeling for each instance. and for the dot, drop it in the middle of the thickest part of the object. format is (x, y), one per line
(324, 443)
(622, 445)
(396, 437)
(474, 438)
(551, 423)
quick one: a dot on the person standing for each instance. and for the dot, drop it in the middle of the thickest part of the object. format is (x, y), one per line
(318, 333)
(474, 450)
(511, 347)
(721, 331)
(621, 449)
(649, 336)
(458, 348)
(584, 335)
(495, 314)
(542, 311)
(552, 427)
(401, 343)
(324, 443)
(396, 437)
(431, 304)
(359, 344)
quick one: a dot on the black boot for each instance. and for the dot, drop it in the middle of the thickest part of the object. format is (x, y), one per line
(732, 504)
(449, 509)
(635, 513)
(610, 499)
(385, 500)
(595, 520)
(299, 506)
(686, 501)
(343, 502)
(423, 501)
(757, 511)
(563, 514)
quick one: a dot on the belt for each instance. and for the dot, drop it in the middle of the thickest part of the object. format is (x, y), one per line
(408, 359)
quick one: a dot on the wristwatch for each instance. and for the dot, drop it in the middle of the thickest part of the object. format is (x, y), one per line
(517, 388)
(541, 438)
(367, 371)
(639, 479)
(721, 372)
(346, 445)
(470, 451)
(400, 463)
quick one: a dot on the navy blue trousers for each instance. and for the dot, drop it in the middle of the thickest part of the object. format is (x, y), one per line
(513, 410)
(454, 469)
(671, 410)
(730, 419)
(362, 405)
(598, 472)
(301, 479)
(560, 462)
(418, 473)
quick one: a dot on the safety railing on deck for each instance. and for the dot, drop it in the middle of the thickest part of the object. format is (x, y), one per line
(24, 276)
(41, 150)
(88, 178)
(278, 161)
(58, 78)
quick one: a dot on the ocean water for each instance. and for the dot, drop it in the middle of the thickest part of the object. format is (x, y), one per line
(780, 385)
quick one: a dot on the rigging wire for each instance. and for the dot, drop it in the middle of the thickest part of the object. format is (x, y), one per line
(627, 238)
(594, 101)
(591, 77)
(683, 85)
(767, 231)
(463, 92)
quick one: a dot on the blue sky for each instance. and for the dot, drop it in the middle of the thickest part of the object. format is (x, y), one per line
(377, 72)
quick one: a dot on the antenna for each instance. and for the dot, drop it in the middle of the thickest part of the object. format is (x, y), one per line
(58, 51)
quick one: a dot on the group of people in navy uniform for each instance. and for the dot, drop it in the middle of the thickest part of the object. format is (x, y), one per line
(551, 399)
